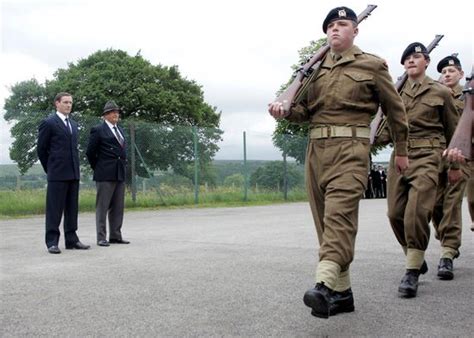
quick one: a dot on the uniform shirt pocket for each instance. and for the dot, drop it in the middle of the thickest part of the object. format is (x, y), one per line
(357, 86)
(431, 107)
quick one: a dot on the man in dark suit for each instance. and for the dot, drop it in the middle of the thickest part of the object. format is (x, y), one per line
(107, 156)
(383, 181)
(376, 182)
(58, 153)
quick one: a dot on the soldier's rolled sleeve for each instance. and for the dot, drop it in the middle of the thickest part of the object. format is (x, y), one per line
(394, 109)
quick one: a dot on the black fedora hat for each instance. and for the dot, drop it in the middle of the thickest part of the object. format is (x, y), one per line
(111, 106)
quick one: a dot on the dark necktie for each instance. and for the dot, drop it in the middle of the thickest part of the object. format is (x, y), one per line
(119, 137)
(68, 126)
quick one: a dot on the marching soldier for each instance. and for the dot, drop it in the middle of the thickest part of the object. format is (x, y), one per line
(338, 104)
(432, 117)
(447, 219)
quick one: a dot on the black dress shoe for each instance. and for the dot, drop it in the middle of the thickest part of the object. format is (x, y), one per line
(53, 249)
(341, 302)
(118, 241)
(424, 268)
(409, 284)
(78, 245)
(318, 299)
(103, 242)
(445, 269)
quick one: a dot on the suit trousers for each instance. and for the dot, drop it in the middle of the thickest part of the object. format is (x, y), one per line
(62, 197)
(411, 197)
(336, 179)
(110, 200)
(447, 219)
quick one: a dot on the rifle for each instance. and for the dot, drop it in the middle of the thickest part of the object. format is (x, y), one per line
(379, 121)
(303, 75)
(462, 138)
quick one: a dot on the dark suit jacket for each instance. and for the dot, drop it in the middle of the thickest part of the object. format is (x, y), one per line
(57, 149)
(106, 156)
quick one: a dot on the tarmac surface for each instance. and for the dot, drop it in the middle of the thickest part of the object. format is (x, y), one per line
(221, 272)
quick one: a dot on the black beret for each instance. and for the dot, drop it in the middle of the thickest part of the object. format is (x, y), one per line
(415, 47)
(339, 13)
(448, 61)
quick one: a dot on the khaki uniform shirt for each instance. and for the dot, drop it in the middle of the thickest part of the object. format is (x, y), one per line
(431, 110)
(349, 91)
(458, 102)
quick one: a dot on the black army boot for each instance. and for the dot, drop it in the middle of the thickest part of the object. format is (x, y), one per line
(318, 299)
(409, 284)
(445, 269)
(341, 302)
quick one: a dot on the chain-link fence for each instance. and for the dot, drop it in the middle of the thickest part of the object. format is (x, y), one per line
(177, 165)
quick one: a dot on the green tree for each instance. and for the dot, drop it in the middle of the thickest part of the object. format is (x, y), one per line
(147, 93)
(292, 138)
(272, 175)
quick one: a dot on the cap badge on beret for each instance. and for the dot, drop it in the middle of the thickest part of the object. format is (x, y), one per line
(342, 13)
(451, 62)
(417, 49)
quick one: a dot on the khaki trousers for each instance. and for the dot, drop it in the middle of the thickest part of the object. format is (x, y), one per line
(336, 179)
(447, 218)
(411, 197)
(470, 192)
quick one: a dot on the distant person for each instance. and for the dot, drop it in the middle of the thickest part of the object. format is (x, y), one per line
(58, 153)
(383, 181)
(338, 105)
(447, 217)
(376, 182)
(107, 155)
(369, 192)
(412, 195)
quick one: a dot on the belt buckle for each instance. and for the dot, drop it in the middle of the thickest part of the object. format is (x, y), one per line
(330, 131)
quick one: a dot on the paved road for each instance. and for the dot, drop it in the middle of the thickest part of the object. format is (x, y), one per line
(221, 272)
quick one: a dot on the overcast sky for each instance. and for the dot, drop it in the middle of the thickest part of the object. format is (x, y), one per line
(239, 51)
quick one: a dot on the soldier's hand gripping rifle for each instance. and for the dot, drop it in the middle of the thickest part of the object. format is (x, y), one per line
(379, 122)
(304, 74)
(463, 135)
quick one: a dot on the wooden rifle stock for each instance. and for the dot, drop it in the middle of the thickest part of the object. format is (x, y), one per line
(463, 135)
(303, 74)
(379, 121)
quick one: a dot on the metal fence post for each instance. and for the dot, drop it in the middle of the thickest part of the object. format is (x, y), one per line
(196, 166)
(246, 178)
(285, 177)
(133, 162)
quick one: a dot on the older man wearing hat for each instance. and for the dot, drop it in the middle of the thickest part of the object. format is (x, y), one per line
(350, 86)
(107, 156)
(432, 117)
